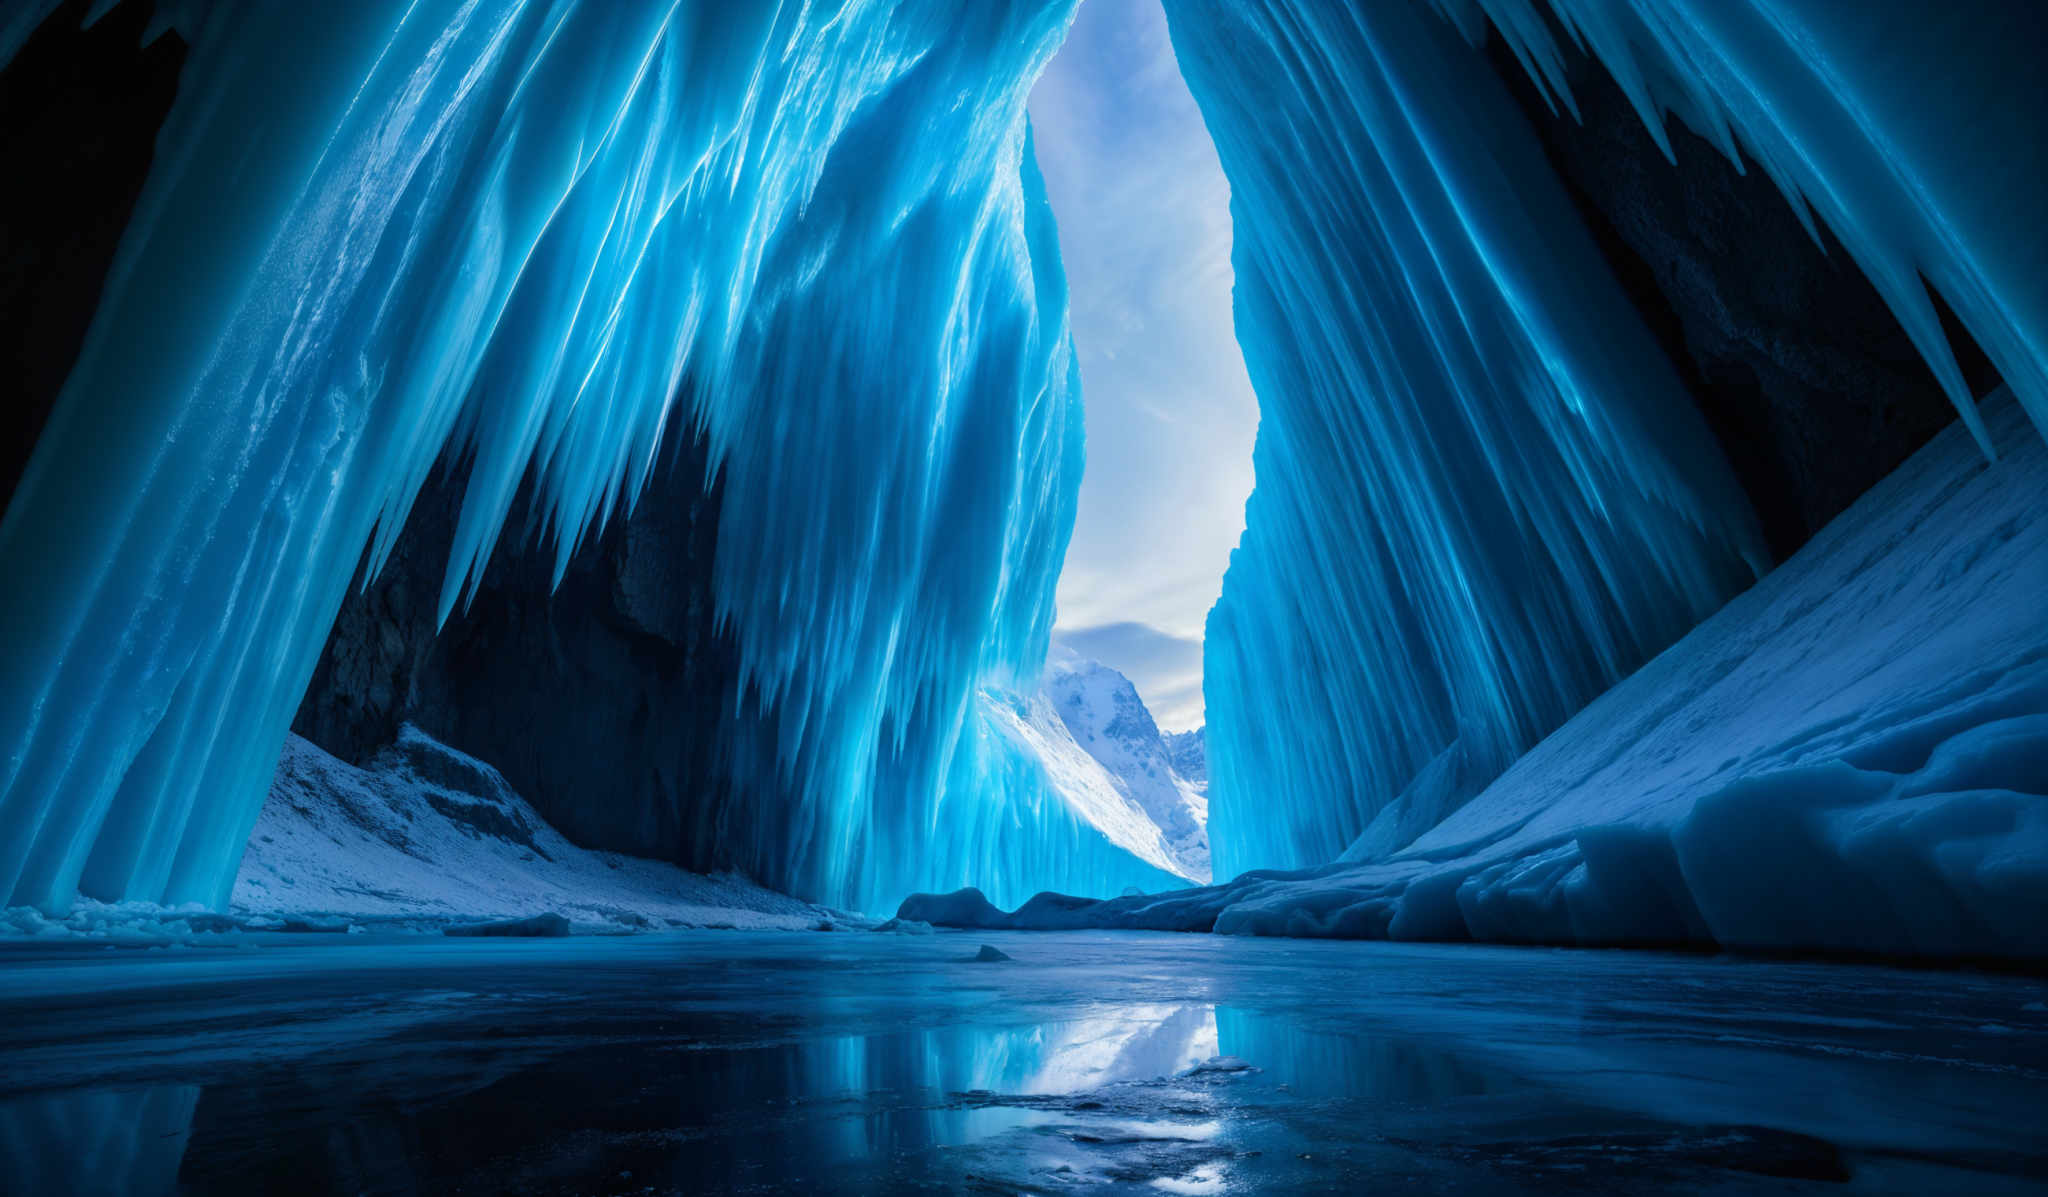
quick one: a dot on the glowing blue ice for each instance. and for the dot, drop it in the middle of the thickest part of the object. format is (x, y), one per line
(1481, 498)
(536, 233)
(1483, 495)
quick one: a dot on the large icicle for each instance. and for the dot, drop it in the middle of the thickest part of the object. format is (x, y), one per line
(1482, 494)
(1917, 132)
(535, 233)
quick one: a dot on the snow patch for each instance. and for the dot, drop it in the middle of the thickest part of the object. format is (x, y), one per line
(425, 834)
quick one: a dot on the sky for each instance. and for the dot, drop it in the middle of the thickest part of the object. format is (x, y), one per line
(1144, 220)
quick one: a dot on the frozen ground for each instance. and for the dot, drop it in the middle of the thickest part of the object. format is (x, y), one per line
(1100, 1062)
(421, 838)
(1851, 756)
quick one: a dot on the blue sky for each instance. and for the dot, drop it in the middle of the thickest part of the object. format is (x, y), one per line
(1144, 219)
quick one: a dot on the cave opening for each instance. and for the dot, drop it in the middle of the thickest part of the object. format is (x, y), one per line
(568, 626)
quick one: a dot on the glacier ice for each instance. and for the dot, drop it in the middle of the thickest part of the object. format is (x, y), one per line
(1850, 756)
(1078, 770)
(1483, 495)
(530, 236)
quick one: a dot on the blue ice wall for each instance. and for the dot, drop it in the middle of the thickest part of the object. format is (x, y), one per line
(535, 234)
(1482, 494)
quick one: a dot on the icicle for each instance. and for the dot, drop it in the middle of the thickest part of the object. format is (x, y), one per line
(1483, 496)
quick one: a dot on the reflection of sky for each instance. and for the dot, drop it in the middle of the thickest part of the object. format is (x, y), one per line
(1144, 223)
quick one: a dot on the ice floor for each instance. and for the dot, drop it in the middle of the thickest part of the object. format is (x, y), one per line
(1091, 1061)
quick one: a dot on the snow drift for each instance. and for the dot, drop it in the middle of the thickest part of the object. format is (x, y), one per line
(425, 835)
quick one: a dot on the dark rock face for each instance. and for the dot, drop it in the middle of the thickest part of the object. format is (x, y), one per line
(79, 113)
(606, 702)
(1799, 367)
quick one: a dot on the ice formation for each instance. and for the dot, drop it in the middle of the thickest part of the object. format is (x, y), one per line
(1851, 756)
(1483, 495)
(1024, 771)
(530, 235)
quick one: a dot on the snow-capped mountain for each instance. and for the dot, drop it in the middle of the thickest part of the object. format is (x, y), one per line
(1188, 753)
(1107, 719)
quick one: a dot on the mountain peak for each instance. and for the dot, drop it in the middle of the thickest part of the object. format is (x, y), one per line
(1107, 717)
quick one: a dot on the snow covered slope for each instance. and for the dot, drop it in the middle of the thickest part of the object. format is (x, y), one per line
(427, 834)
(1105, 716)
(1851, 756)
(1045, 752)
(1188, 752)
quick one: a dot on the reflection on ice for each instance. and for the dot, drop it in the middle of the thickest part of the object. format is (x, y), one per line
(1139, 1043)
(1165, 1064)
(1316, 1063)
(124, 1142)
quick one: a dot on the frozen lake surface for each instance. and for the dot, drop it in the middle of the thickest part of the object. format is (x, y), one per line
(1097, 1062)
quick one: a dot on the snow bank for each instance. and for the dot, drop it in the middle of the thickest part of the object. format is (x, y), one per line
(1852, 756)
(427, 835)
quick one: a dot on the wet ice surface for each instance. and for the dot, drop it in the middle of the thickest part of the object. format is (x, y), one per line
(1097, 1062)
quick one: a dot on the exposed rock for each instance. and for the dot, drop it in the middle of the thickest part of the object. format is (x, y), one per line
(968, 908)
(1801, 370)
(79, 113)
(607, 701)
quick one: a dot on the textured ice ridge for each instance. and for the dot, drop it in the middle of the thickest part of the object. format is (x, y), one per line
(1483, 494)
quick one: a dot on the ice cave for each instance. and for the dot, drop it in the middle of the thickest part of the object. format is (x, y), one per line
(1190, 596)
